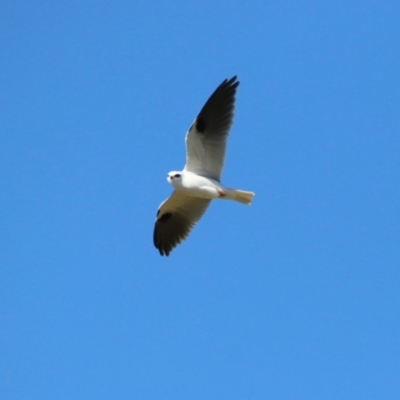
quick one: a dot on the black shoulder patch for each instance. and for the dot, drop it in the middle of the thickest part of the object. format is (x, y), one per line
(165, 217)
(200, 125)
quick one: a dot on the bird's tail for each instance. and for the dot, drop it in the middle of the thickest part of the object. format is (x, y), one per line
(240, 195)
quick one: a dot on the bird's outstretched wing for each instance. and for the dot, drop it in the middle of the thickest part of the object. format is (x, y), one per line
(176, 217)
(206, 138)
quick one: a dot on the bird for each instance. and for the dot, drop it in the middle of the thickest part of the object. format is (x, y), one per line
(199, 181)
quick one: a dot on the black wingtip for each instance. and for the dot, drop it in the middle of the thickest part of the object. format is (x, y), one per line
(225, 93)
(228, 85)
(233, 79)
(230, 82)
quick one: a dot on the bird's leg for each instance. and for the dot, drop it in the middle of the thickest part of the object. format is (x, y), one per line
(221, 193)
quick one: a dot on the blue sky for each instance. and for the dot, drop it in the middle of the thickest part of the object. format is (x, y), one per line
(294, 297)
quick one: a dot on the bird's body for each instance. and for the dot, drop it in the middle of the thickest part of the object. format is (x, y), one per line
(190, 184)
(199, 182)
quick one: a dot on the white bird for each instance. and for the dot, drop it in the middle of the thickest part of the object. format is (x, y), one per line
(199, 182)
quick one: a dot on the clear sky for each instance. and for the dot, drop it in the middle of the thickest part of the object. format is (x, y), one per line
(294, 297)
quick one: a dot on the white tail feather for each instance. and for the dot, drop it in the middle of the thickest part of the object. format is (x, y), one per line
(240, 195)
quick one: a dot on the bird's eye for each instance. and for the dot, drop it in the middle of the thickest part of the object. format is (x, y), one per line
(177, 175)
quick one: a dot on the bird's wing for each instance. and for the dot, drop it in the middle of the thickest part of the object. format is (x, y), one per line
(176, 217)
(206, 138)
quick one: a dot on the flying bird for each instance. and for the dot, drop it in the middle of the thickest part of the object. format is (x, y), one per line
(199, 182)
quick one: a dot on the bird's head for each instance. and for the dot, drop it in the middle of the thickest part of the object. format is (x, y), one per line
(175, 178)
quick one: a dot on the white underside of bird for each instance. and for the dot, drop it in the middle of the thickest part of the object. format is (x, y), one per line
(191, 184)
